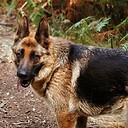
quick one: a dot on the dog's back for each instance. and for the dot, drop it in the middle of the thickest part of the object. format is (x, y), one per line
(103, 75)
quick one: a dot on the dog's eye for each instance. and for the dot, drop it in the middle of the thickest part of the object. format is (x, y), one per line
(37, 57)
(20, 53)
(34, 57)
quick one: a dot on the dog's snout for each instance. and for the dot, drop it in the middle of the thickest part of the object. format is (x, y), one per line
(22, 74)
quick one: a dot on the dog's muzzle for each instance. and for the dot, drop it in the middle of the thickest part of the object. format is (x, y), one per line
(25, 77)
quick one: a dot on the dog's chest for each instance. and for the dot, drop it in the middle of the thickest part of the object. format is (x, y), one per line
(60, 91)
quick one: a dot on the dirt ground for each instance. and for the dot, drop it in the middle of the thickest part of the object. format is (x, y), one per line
(22, 109)
(25, 109)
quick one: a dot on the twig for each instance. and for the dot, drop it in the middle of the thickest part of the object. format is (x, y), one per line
(6, 24)
(21, 9)
(20, 123)
(2, 110)
(2, 104)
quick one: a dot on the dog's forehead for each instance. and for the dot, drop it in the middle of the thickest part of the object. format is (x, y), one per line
(29, 42)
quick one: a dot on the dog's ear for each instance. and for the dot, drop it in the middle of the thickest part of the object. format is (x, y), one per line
(42, 33)
(23, 29)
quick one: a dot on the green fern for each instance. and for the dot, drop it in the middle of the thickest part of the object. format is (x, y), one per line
(58, 25)
(125, 46)
(124, 23)
(124, 38)
(99, 24)
(82, 30)
(35, 11)
(9, 6)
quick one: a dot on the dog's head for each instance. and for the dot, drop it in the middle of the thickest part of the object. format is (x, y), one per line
(32, 51)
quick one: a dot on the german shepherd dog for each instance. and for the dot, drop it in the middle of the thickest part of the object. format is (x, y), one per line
(77, 81)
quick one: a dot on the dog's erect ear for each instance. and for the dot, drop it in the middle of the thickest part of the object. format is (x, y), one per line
(23, 29)
(42, 32)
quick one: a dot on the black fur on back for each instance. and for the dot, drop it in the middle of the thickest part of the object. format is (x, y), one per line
(103, 77)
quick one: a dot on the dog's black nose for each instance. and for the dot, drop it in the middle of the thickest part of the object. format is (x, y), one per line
(22, 74)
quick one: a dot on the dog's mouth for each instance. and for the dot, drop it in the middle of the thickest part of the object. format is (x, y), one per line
(23, 83)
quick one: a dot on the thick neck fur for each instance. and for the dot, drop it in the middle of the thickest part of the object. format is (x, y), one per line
(50, 76)
(59, 57)
(61, 51)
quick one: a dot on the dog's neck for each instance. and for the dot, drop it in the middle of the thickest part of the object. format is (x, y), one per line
(41, 82)
(61, 55)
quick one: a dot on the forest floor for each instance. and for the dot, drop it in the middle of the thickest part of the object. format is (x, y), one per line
(22, 109)
(25, 109)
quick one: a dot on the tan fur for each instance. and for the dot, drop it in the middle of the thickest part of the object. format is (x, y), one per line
(56, 80)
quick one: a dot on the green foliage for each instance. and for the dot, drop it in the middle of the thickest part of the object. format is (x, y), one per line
(81, 31)
(99, 24)
(125, 46)
(9, 6)
(58, 25)
(124, 25)
(34, 10)
(124, 38)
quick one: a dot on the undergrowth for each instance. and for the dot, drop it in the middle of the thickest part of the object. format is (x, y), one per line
(80, 32)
